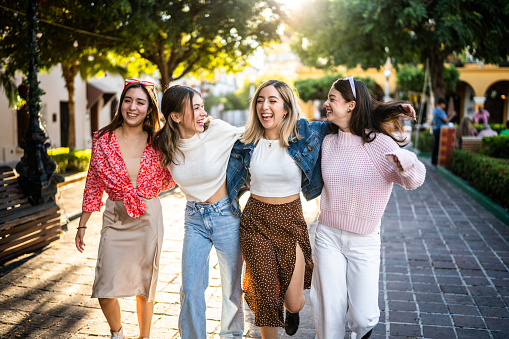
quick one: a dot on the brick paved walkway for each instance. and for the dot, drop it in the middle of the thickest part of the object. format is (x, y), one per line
(444, 274)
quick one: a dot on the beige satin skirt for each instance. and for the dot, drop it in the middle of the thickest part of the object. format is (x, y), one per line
(129, 251)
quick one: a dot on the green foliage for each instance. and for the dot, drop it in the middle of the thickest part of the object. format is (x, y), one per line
(70, 161)
(318, 89)
(488, 175)
(496, 127)
(315, 89)
(10, 88)
(72, 31)
(367, 32)
(425, 141)
(199, 37)
(410, 78)
(497, 146)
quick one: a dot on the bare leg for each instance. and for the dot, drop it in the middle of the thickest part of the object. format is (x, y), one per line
(294, 296)
(268, 332)
(111, 310)
(145, 310)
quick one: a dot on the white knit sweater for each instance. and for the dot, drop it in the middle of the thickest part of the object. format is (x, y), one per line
(358, 180)
(203, 170)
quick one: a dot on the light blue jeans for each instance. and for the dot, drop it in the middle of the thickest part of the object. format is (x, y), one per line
(206, 225)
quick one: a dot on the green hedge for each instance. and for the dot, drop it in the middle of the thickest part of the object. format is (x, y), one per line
(70, 161)
(496, 127)
(497, 147)
(425, 141)
(488, 175)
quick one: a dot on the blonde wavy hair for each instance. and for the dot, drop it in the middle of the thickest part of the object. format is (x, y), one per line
(288, 130)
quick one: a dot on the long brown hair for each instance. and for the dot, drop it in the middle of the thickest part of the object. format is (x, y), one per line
(166, 140)
(150, 125)
(370, 116)
(288, 130)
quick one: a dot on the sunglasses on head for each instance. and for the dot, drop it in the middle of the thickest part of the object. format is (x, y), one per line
(352, 85)
(144, 83)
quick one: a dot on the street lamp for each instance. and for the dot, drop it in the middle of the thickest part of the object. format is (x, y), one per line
(36, 169)
(387, 74)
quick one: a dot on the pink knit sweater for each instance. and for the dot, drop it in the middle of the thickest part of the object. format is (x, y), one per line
(358, 180)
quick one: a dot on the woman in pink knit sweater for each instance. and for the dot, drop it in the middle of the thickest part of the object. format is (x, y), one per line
(361, 160)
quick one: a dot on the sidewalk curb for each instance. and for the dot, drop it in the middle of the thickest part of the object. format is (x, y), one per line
(486, 202)
(69, 179)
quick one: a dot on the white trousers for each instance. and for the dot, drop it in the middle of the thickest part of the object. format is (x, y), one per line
(344, 289)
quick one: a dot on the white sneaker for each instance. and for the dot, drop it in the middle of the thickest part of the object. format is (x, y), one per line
(118, 335)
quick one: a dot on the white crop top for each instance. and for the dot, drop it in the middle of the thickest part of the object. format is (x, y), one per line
(273, 171)
(203, 170)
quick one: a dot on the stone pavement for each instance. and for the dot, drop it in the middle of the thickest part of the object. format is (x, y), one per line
(444, 274)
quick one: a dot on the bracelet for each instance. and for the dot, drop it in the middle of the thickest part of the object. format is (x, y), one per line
(82, 227)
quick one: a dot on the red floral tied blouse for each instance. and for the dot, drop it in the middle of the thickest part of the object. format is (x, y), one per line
(107, 172)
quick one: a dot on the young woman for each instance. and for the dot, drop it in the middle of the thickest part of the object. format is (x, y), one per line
(360, 161)
(196, 150)
(125, 165)
(278, 157)
(280, 152)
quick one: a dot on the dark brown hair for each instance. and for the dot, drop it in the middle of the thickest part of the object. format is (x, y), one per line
(150, 125)
(370, 116)
(167, 139)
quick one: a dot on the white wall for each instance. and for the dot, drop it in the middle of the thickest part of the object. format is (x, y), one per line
(53, 84)
(8, 138)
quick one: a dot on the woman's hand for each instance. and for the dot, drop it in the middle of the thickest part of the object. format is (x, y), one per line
(396, 160)
(409, 111)
(80, 241)
(80, 234)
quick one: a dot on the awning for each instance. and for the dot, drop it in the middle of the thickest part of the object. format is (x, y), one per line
(97, 90)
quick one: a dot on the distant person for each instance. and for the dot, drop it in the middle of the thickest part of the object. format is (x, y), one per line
(486, 130)
(481, 113)
(465, 129)
(506, 130)
(440, 118)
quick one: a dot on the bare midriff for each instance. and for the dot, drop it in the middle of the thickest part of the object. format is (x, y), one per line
(276, 200)
(220, 194)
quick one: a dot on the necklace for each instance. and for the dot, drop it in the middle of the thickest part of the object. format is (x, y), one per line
(270, 142)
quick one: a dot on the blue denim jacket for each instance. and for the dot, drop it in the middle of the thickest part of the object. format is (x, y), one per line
(306, 152)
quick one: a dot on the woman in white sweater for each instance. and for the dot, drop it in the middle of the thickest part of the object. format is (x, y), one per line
(361, 160)
(196, 150)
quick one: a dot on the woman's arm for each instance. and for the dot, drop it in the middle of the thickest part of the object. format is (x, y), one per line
(80, 233)
(409, 172)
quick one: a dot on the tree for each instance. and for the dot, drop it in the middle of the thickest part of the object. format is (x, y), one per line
(68, 36)
(367, 32)
(411, 78)
(199, 36)
(180, 37)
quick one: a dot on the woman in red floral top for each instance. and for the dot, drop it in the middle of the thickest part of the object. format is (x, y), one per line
(125, 165)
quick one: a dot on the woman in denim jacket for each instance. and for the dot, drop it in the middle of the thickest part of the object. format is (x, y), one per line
(273, 233)
(280, 154)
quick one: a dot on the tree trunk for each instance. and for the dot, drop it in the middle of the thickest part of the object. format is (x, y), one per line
(166, 75)
(437, 75)
(69, 72)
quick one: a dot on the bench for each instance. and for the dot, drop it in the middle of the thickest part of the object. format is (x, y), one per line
(24, 228)
(471, 143)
